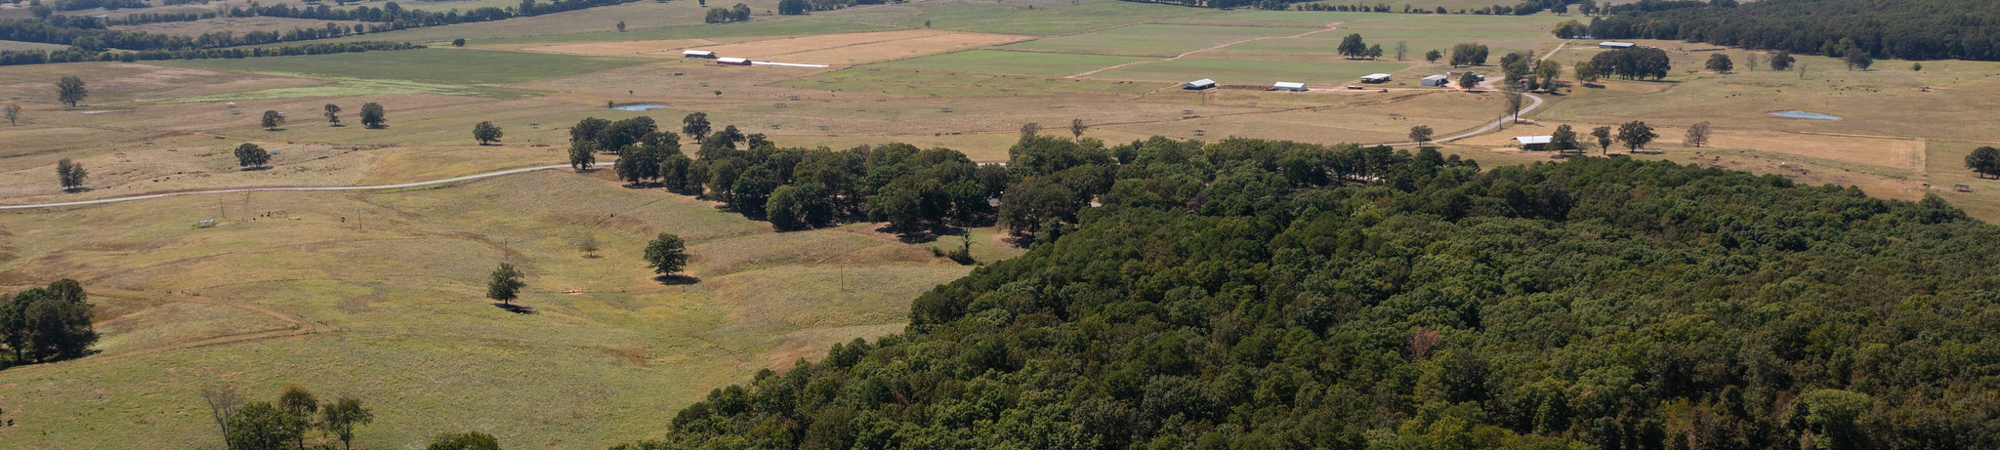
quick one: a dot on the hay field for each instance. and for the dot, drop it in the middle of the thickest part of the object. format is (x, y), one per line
(1025, 63)
(1151, 40)
(441, 66)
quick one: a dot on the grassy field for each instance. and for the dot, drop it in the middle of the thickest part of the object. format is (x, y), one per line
(436, 66)
(1237, 71)
(1152, 40)
(1024, 63)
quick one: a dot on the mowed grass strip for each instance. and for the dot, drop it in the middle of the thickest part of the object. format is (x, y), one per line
(1232, 71)
(1152, 40)
(436, 66)
(1025, 63)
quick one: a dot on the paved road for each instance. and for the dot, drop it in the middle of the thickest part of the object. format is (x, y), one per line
(299, 188)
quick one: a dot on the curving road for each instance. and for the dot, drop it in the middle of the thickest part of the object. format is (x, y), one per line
(296, 188)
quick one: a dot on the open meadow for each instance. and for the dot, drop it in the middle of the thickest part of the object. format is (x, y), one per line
(378, 294)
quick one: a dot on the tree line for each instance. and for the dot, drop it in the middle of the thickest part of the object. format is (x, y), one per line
(1242, 294)
(90, 33)
(738, 13)
(1904, 29)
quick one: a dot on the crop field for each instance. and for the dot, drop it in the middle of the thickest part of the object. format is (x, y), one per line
(234, 25)
(378, 294)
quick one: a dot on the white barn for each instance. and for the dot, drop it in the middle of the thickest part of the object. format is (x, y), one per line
(1535, 142)
(1436, 81)
(1616, 45)
(698, 54)
(1289, 86)
(732, 61)
(1376, 78)
(1199, 84)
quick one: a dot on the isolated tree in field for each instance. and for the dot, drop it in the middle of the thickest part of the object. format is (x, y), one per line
(1375, 51)
(340, 417)
(1352, 46)
(1402, 50)
(1603, 135)
(47, 323)
(696, 124)
(588, 245)
(506, 284)
(1635, 135)
(1782, 61)
(1076, 128)
(303, 407)
(262, 426)
(250, 155)
(1030, 129)
(332, 114)
(1985, 161)
(1564, 139)
(372, 115)
(1916, 67)
(13, 114)
(1433, 56)
(464, 441)
(70, 174)
(272, 120)
(1720, 63)
(1697, 135)
(1751, 61)
(582, 155)
(459, 42)
(1586, 72)
(70, 90)
(1858, 59)
(666, 254)
(621, 26)
(486, 133)
(1420, 134)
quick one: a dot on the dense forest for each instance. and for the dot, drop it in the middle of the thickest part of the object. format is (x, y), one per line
(1905, 29)
(1245, 294)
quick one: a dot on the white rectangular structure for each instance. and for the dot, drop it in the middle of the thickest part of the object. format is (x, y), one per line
(732, 61)
(1610, 44)
(1535, 142)
(1289, 86)
(1376, 78)
(697, 54)
(1199, 84)
(1436, 81)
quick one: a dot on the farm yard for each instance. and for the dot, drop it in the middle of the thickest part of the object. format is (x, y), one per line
(328, 289)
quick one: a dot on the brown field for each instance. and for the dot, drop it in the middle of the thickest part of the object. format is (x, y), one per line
(1898, 154)
(669, 48)
(122, 82)
(232, 24)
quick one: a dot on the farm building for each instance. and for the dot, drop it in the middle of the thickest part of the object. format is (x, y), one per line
(1289, 86)
(1436, 81)
(1199, 84)
(1534, 142)
(698, 54)
(1376, 78)
(1616, 45)
(732, 61)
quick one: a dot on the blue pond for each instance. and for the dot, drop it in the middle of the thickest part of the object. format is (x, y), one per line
(1805, 115)
(637, 107)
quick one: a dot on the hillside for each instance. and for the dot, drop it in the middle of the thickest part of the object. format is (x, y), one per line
(1902, 29)
(1593, 303)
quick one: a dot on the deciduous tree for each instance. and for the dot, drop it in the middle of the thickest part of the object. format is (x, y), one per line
(465, 441)
(272, 120)
(1782, 61)
(582, 155)
(303, 407)
(340, 417)
(696, 125)
(486, 133)
(1720, 63)
(332, 113)
(13, 112)
(1985, 161)
(251, 155)
(262, 426)
(1697, 135)
(1433, 56)
(70, 90)
(1420, 134)
(1076, 128)
(1352, 46)
(1564, 139)
(372, 115)
(666, 254)
(70, 174)
(1603, 135)
(1635, 135)
(505, 284)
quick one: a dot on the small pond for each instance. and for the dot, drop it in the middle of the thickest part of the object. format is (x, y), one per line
(638, 107)
(1805, 115)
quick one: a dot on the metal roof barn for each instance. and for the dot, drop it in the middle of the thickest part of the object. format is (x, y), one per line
(1199, 84)
(732, 61)
(1289, 86)
(1609, 44)
(1375, 78)
(698, 54)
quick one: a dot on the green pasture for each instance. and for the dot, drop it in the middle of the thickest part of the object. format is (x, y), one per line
(444, 66)
(958, 84)
(1043, 19)
(1025, 63)
(786, 27)
(1151, 40)
(1233, 71)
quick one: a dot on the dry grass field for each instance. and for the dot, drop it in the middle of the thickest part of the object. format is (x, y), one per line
(377, 294)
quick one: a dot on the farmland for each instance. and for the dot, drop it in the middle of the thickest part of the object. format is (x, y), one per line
(379, 294)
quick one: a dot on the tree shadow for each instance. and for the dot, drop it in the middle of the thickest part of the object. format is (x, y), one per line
(78, 190)
(677, 280)
(254, 169)
(516, 309)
